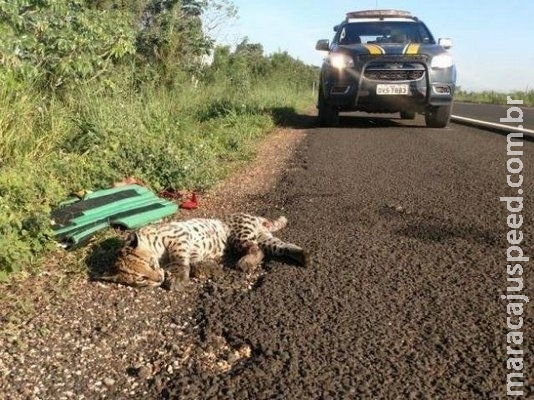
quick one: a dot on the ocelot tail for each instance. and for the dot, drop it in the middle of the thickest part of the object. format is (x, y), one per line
(163, 254)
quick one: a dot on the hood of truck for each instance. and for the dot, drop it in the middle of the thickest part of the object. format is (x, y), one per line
(390, 49)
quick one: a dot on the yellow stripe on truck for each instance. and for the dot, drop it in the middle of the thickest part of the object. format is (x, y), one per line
(374, 49)
(412, 48)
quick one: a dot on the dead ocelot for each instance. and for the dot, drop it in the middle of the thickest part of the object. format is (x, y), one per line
(163, 254)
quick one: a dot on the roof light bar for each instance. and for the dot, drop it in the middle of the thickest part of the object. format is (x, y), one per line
(380, 14)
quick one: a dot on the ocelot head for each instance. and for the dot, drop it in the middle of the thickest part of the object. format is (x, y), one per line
(136, 267)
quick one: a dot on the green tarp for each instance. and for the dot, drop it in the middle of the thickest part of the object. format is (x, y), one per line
(129, 206)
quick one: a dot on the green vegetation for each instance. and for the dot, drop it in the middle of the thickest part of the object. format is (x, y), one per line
(491, 97)
(93, 91)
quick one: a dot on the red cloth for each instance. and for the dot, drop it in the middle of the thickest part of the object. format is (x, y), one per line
(191, 203)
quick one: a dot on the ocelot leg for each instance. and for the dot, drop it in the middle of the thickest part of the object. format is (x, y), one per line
(274, 225)
(177, 271)
(275, 247)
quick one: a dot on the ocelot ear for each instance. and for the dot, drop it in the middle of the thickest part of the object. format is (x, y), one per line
(131, 240)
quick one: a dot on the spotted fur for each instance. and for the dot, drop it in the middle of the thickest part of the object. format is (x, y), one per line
(163, 254)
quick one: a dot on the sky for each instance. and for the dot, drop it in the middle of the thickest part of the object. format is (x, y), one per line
(493, 40)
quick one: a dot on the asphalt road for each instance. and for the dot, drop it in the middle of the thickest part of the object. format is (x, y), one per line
(402, 298)
(493, 113)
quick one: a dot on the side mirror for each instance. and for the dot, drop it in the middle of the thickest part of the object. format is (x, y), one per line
(446, 43)
(323, 45)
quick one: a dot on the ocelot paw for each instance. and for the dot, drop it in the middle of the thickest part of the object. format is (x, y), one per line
(305, 261)
(250, 261)
(252, 258)
(175, 280)
(168, 282)
(302, 258)
(206, 269)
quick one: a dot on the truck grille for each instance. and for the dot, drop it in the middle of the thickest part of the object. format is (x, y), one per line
(394, 74)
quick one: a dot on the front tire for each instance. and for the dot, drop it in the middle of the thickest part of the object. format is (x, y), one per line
(327, 115)
(438, 116)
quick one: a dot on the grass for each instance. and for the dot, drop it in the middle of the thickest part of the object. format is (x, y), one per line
(492, 97)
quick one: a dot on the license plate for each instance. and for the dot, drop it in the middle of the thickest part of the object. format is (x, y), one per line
(392, 89)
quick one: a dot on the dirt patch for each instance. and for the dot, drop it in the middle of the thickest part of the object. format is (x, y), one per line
(239, 191)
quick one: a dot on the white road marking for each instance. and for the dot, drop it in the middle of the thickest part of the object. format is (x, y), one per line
(507, 128)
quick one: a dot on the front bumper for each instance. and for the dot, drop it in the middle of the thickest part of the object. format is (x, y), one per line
(356, 88)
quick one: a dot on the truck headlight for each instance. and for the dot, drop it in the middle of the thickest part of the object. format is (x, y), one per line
(340, 61)
(442, 61)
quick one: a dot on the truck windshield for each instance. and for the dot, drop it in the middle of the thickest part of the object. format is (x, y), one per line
(383, 32)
